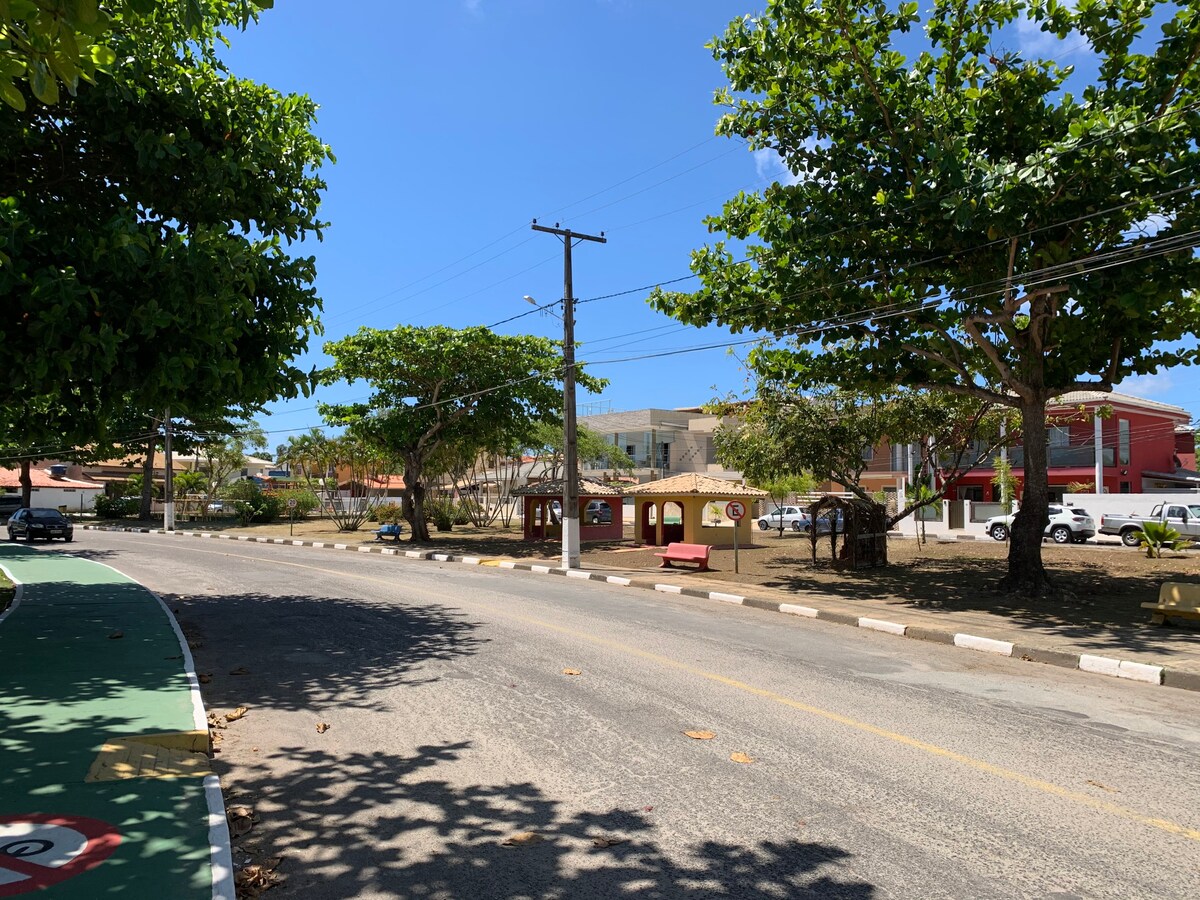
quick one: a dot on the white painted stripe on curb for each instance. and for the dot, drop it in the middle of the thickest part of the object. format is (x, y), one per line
(1141, 672)
(578, 573)
(414, 554)
(985, 645)
(617, 579)
(440, 557)
(219, 849)
(260, 540)
(471, 560)
(297, 543)
(881, 625)
(340, 547)
(364, 549)
(318, 544)
(726, 598)
(541, 570)
(507, 564)
(389, 552)
(669, 588)
(806, 611)
(1100, 665)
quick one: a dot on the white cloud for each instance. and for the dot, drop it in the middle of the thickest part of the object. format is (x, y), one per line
(1035, 42)
(1149, 226)
(1149, 386)
(474, 7)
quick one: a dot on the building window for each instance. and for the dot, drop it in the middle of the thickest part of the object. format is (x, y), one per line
(1126, 488)
(898, 458)
(1059, 436)
(868, 454)
(1123, 443)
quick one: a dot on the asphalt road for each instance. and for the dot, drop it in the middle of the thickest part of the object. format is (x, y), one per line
(881, 767)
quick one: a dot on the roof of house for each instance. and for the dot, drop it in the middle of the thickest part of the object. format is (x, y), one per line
(380, 483)
(1075, 397)
(555, 487)
(40, 478)
(695, 483)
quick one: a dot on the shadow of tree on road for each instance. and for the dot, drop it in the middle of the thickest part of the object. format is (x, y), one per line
(384, 824)
(322, 650)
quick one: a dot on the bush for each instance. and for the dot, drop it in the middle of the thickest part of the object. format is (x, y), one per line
(306, 501)
(116, 507)
(442, 512)
(388, 513)
(252, 504)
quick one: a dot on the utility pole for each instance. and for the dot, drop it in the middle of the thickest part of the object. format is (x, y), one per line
(168, 479)
(570, 533)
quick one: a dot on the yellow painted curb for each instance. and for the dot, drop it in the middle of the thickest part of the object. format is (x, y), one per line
(149, 756)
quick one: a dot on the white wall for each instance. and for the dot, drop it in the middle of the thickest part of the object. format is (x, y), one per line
(76, 500)
(1099, 505)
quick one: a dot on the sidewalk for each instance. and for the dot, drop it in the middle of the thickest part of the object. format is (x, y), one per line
(105, 788)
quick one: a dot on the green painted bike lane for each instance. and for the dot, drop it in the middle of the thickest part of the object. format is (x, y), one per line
(104, 788)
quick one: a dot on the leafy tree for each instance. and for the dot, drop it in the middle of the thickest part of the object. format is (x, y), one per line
(143, 225)
(436, 389)
(43, 42)
(831, 435)
(962, 219)
(547, 441)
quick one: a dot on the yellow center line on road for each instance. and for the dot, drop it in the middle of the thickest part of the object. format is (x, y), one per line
(978, 765)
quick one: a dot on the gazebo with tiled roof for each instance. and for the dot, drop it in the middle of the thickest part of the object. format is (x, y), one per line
(700, 500)
(537, 518)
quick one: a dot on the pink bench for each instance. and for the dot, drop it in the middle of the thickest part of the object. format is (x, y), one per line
(696, 553)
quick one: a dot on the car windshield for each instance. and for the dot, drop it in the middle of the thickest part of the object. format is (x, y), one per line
(46, 516)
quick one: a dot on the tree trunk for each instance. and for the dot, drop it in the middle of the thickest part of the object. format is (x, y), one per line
(26, 483)
(1026, 574)
(145, 511)
(412, 502)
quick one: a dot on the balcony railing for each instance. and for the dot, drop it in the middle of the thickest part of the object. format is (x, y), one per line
(1062, 457)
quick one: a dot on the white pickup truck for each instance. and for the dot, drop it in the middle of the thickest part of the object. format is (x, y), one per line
(1184, 518)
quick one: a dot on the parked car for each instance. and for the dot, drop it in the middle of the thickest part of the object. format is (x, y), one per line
(598, 513)
(798, 519)
(791, 516)
(1067, 524)
(1183, 518)
(41, 524)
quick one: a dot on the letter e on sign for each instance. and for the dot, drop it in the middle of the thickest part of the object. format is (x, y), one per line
(735, 509)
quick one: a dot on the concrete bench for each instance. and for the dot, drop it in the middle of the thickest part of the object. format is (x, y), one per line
(1175, 598)
(697, 553)
(389, 531)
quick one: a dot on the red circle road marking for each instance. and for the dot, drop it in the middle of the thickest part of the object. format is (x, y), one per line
(99, 841)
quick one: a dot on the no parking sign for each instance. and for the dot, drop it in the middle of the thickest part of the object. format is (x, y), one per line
(38, 850)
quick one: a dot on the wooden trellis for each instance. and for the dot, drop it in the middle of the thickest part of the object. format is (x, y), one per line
(862, 533)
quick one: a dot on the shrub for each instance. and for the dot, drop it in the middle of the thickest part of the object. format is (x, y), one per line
(388, 513)
(306, 501)
(441, 512)
(1159, 536)
(116, 507)
(252, 504)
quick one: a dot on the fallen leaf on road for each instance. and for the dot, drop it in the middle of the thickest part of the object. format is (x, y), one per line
(647, 809)
(195, 645)
(572, 672)
(605, 840)
(322, 727)
(522, 839)
(236, 714)
(739, 757)
(701, 735)
(1104, 787)
(116, 635)
(204, 677)
(254, 749)
(240, 670)
(241, 820)
(253, 880)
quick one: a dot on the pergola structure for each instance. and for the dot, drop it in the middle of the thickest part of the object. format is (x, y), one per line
(691, 498)
(541, 524)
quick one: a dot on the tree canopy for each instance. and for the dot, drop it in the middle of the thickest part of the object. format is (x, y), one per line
(144, 225)
(449, 392)
(963, 218)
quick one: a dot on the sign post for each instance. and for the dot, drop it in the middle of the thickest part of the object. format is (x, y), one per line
(736, 510)
(291, 516)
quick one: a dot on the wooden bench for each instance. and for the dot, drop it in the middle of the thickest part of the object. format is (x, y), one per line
(697, 553)
(392, 531)
(1175, 598)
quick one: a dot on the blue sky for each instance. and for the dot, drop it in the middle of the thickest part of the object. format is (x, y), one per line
(458, 122)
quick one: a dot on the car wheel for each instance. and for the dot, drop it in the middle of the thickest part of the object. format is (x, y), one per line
(999, 532)
(10, 535)
(68, 539)
(1080, 539)
(1060, 534)
(1129, 537)
(763, 524)
(796, 526)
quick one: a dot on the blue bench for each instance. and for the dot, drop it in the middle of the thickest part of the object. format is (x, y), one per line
(392, 531)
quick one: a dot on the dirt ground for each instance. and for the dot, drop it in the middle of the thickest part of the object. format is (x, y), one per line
(1104, 584)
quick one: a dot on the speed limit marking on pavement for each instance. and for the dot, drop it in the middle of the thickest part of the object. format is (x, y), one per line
(38, 850)
(736, 510)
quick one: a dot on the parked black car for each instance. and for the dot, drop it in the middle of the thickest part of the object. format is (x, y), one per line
(43, 524)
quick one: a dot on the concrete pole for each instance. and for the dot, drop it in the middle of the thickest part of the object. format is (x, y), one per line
(168, 477)
(1098, 427)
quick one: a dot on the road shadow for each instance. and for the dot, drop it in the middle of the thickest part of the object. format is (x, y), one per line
(388, 825)
(295, 651)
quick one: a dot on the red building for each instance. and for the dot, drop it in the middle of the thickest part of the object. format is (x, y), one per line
(1144, 446)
